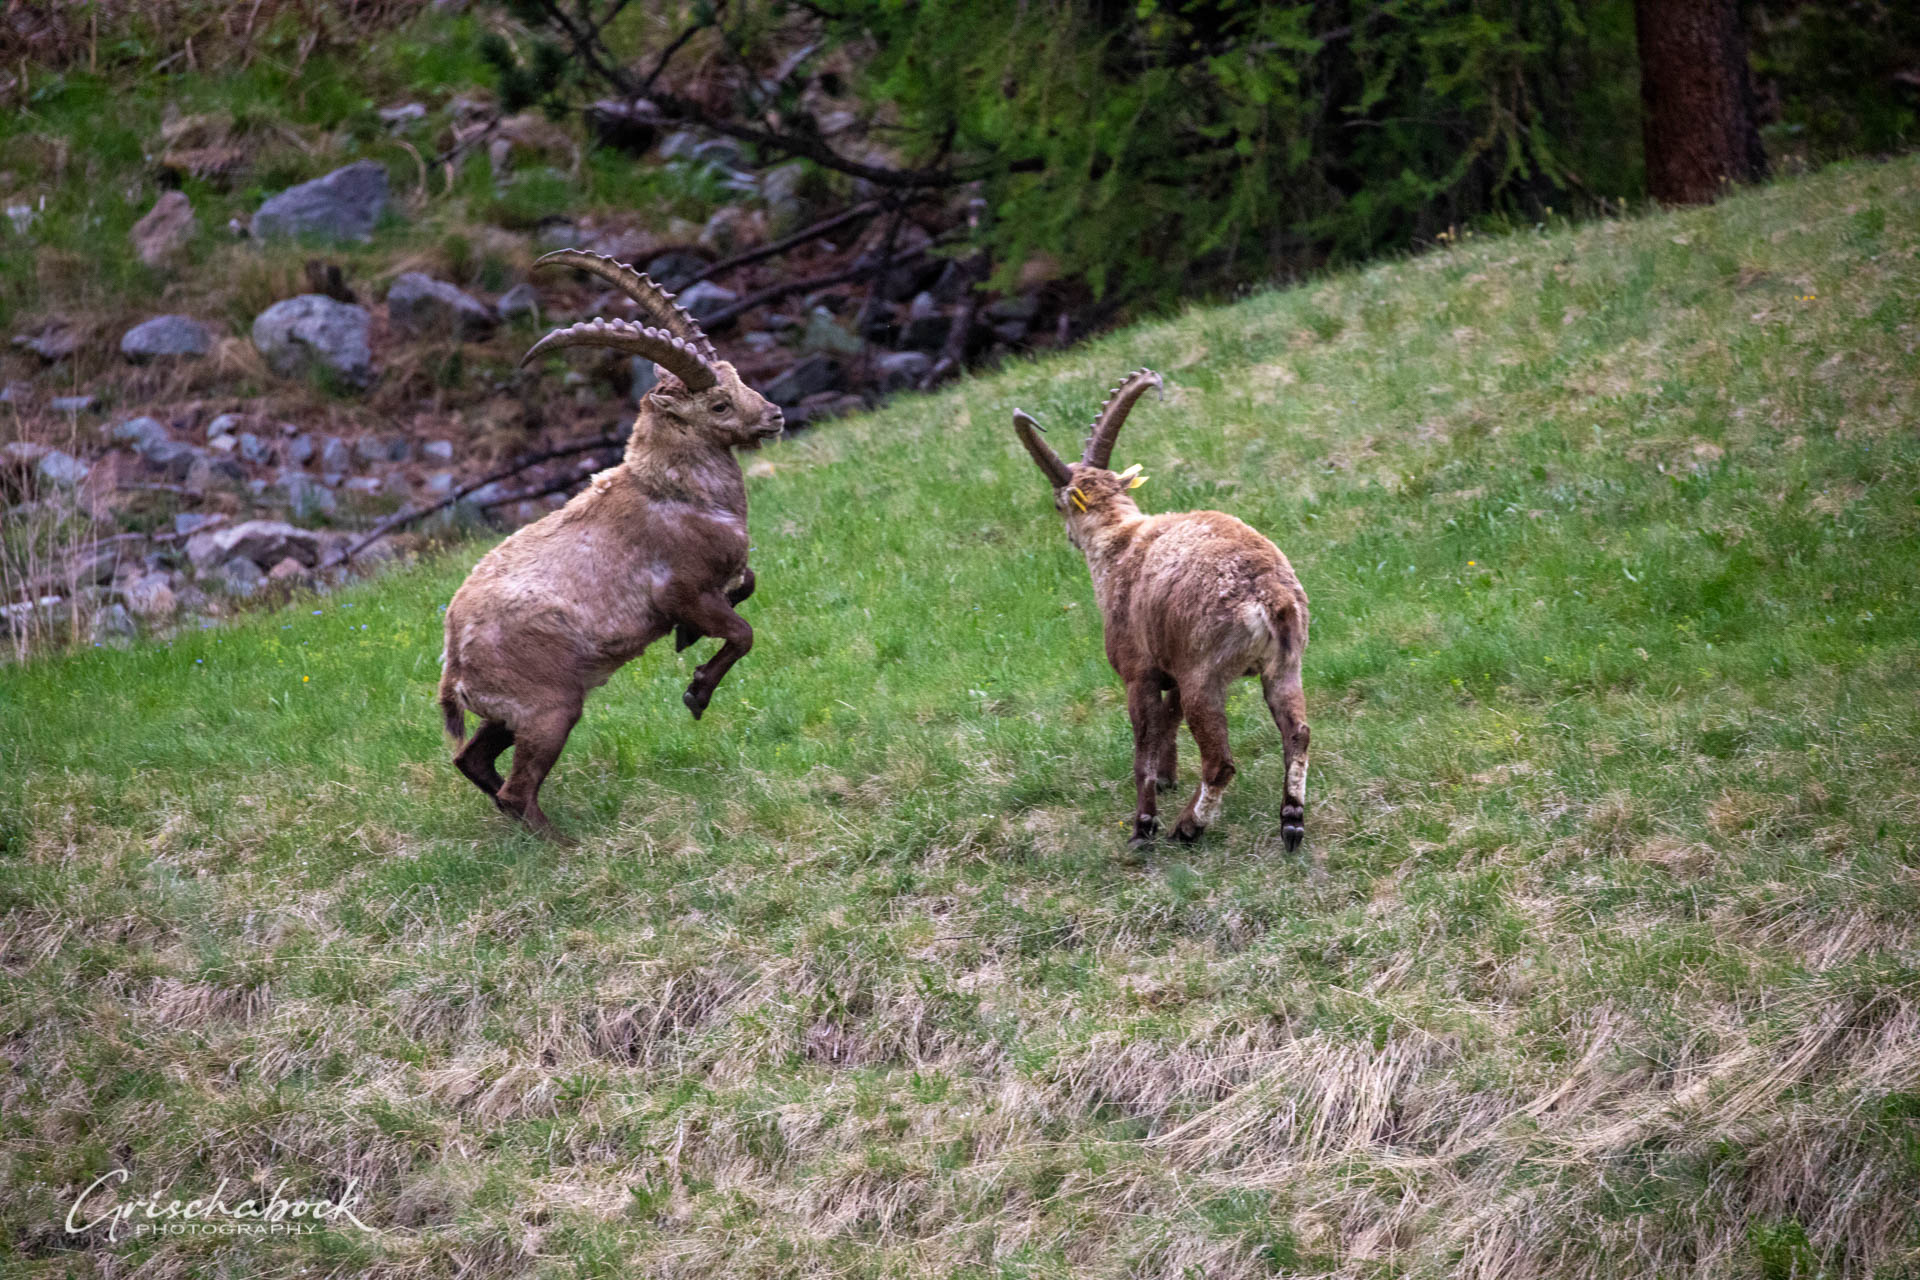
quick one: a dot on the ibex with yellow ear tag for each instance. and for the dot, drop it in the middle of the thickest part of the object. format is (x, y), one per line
(1191, 601)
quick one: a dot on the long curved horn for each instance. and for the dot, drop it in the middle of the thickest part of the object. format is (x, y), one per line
(1025, 427)
(657, 306)
(1120, 401)
(664, 349)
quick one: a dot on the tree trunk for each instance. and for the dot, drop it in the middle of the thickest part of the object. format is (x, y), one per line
(1696, 99)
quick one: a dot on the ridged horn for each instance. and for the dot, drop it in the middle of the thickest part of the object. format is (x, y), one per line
(664, 349)
(1027, 429)
(657, 306)
(1120, 402)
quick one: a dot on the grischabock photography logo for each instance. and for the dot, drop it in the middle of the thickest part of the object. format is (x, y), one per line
(105, 1210)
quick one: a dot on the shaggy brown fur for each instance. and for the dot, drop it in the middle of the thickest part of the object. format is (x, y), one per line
(655, 544)
(1191, 601)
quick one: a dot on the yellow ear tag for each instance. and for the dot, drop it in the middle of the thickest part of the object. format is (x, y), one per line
(1133, 477)
(1078, 498)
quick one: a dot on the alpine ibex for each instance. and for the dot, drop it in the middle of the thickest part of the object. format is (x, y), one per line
(1191, 600)
(655, 544)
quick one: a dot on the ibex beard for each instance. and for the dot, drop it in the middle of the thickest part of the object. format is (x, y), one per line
(655, 544)
(1191, 601)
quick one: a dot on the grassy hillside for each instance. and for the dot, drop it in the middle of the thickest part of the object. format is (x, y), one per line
(1601, 957)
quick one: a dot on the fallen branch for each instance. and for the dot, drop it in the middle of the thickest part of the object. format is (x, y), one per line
(406, 516)
(721, 320)
(824, 227)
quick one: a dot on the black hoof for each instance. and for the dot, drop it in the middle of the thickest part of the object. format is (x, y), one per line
(1293, 826)
(695, 702)
(1144, 832)
(1187, 832)
(1292, 837)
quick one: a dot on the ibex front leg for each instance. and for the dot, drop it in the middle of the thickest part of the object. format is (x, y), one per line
(712, 615)
(1151, 729)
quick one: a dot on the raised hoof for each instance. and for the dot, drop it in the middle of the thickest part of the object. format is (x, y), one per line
(696, 702)
(1187, 832)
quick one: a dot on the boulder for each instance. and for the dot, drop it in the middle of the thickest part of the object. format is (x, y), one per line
(421, 307)
(262, 542)
(303, 495)
(706, 300)
(810, 377)
(671, 269)
(521, 300)
(165, 230)
(166, 337)
(899, 370)
(55, 342)
(314, 331)
(172, 458)
(436, 451)
(150, 595)
(138, 434)
(239, 577)
(344, 205)
(113, 625)
(825, 333)
(288, 569)
(298, 451)
(254, 449)
(61, 470)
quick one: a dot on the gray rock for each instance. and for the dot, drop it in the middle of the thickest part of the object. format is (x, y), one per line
(288, 570)
(403, 115)
(149, 595)
(139, 434)
(1016, 307)
(62, 470)
(313, 330)
(344, 205)
(559, 233)
(113, 625)
(825, 333)
(55, 342)
(899, 370)
(73, 404)
(254, 449)
(926, 333)
(421, 307)
(365, 486)
(1011, 332)
(172, 458)
(263, 542)
(438, 484)
(188, 521)
(368, 450)
(225, 424)
(721, 152)
(642, 377)
(671, 269)
(760, 341)
(305, 497)
(239, 578)
(222, 444)
(210, 471)
(521, 300)
(164, 337)
(706, 299)
(298, 451)
(436, 451)
(16, 393)
(808, 378)
(787, 189)
(165, 230)
(728, 231)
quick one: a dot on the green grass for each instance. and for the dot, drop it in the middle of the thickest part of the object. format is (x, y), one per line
(1600, 959)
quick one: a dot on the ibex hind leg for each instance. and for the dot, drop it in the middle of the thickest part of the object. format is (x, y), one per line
(537, 745)
(1289, 707)
(1205, 703)
(1167, 765)
(476, 759)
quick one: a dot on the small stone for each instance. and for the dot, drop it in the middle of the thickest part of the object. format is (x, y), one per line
(298, 451)
(438, 484)
(706, 299)
(305, 497)
(730, 230)
(225, 424)
(366, 486)
(825, 333)
(113, 625)
(254, 449)
(521, 300)
(313, 330)
(166, 337)
(334, 454)
(1015, 307)
(225, 444)
(172, 458)
(149, 595)
(239, 578)
(344, 205)
(760, 341)
(420, 306)
(1011, 332)
(262, 542)
(369, 449)
(164, 230)
(210, 471)
(810, 377)
(899, 370)
(140, 434)
(436, 450)
(288, 569)
(403, 115)
(16, 393)
(673, 269)
(55, 342)
(73, 404)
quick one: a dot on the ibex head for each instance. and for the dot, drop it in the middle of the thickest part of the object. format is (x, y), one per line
(698, 393)
(1087, 488)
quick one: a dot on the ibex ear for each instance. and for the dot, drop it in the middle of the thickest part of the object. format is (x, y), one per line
(1133, 477)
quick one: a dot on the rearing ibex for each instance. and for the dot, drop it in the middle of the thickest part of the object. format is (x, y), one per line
(1191, 600)
(655, 544)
